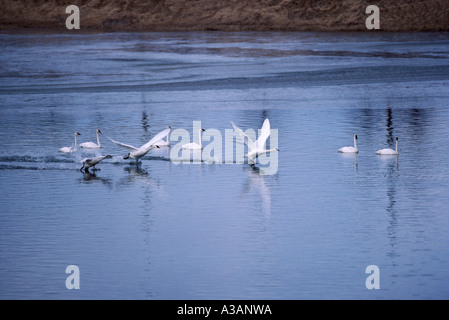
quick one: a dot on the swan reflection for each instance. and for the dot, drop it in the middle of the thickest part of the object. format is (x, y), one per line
(90, 177)
(256, 181)
(351, 156)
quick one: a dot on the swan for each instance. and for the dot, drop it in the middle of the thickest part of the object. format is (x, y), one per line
(350, 149)
(137, 153)
(165, 143)
(92, 145)
(91, 162)
(256, 148)
(194, 145)
(70, 149)
(389, 151)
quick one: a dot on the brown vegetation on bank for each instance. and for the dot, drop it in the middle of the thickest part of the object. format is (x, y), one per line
(227, 15)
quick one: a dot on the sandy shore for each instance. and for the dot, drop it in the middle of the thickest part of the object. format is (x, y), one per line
(227, 15)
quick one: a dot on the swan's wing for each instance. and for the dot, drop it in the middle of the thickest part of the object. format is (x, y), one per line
(161, 135)
(251, 145)
(126, 146)
(264, 134)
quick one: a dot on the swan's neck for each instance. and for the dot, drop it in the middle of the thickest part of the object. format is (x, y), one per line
(355, 143)
(199, 135)
(75, 141)
(168, 138)
(397, 146)
(98, 140)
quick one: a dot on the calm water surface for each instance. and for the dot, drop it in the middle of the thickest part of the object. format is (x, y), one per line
(224, 231)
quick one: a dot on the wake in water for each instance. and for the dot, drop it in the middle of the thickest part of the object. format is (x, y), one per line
(64, 162)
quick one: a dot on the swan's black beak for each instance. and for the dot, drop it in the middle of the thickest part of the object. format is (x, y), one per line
(158, 147)
(126, 157)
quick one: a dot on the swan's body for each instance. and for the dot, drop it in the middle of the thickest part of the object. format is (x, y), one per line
(137, 153)
(91, 162)
(70, 149)
(194, 145)
(256, 148)
(350, 149)
(389, 151)
(92, 145)
(165, 143)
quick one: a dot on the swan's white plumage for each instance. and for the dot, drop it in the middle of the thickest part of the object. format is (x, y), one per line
(388, 151)
(137, 153)
(92, 145)
(194, 145)
(67, 149)
(353, 149)
(165, 143)
(70, 149)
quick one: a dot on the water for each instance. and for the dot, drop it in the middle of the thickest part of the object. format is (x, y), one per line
(224, 231)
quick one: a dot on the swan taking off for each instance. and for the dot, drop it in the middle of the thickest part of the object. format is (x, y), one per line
(194, 145)
(389, 151)
(350, 149)
(92, 145)
(165, 143)
(256, 148)
(91, 162)
(70, 149)
(137, 153)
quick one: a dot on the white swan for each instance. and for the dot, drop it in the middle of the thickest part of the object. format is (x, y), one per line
(92, 145)
(70, 149)
(137, 153)
(165, 143)
(194, 145)
(91, 162)
(350, 149)
(256, 148)
(389, 151)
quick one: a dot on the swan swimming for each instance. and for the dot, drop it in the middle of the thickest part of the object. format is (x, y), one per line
(92, 145)
(91, 162)
(256, 148)
(350, 149)
(194, 145)
(165, 143)
(137, 153)
(389, 151)
(70, 149)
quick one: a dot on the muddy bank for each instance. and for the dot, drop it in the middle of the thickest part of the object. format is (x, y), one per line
(227, 15)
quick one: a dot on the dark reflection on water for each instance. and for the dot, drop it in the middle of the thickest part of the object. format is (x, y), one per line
(90, 177)
(391, 176)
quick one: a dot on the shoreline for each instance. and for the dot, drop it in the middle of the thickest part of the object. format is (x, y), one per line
(86, 31)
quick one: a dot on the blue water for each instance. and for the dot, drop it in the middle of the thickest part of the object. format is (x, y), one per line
(161, 230)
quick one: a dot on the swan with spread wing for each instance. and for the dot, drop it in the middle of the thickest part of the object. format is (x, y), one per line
(137, 153)
(256, 148)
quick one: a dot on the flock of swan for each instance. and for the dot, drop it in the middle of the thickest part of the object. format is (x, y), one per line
(386, 151)
(255, 148)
